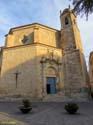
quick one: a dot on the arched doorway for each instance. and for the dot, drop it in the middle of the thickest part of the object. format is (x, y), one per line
(51, 80)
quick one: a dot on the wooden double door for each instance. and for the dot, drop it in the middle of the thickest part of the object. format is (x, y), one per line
(51, 85)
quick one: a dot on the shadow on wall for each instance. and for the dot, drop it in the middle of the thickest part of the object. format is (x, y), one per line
(22, 78)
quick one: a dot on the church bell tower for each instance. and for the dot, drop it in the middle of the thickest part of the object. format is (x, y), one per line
(70, 36)
(75, 71)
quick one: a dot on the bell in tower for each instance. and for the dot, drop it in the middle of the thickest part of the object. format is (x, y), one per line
(65, 18)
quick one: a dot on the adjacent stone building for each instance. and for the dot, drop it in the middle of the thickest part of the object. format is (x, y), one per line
(38, 60)
(91, 70)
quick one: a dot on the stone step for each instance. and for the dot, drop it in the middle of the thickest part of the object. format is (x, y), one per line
(63, 98)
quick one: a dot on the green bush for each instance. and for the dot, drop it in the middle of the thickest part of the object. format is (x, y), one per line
(71, 107)
(26, 107)
(26, 103)
(92, 95)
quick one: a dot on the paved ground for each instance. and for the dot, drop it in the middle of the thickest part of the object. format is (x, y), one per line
(46, 114)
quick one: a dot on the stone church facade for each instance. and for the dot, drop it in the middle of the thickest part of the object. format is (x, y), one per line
(38, 60)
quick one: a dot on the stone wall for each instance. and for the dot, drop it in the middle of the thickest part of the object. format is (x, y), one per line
(15, 38)
(75, 70)
(35, 33)
(0, 56)
(26, 60)
(91, 70)
(22, 60)
(49, 37)
(44, 62)
(73, 75)
(0, 59)
(67, 42)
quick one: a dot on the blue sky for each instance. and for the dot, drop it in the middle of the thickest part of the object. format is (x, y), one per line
(20, 12)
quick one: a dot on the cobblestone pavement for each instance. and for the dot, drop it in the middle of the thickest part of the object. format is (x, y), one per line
(46, 113)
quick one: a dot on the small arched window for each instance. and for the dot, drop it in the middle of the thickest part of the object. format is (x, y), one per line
(66, 21)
